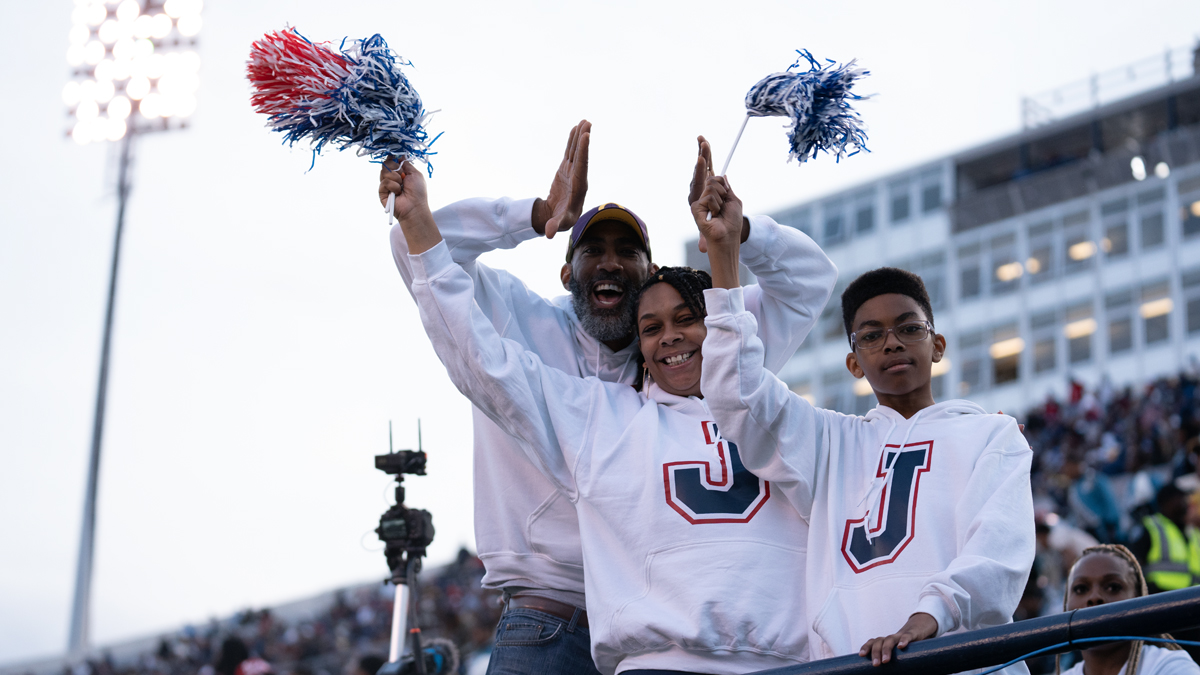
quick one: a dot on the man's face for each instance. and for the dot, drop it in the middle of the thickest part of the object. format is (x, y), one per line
(895, 368)
(609, 264)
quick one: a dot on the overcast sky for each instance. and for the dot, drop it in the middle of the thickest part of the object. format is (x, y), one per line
(263, 337)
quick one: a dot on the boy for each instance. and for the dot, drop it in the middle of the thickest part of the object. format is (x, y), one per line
(920, 513)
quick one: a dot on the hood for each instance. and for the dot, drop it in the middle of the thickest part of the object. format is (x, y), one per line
(688, 405)
(934, 413)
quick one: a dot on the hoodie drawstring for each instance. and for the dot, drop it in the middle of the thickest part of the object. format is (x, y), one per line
(878, 482)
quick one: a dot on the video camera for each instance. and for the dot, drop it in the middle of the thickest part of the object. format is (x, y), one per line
(405, 532)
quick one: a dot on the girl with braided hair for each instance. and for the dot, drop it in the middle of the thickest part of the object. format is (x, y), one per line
(1108, 573)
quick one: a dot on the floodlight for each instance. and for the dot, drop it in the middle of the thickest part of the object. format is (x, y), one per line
(119, 108)
(135, 51)
(1137, 166)
(124, 60)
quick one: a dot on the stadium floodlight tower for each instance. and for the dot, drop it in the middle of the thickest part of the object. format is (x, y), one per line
(134, 70)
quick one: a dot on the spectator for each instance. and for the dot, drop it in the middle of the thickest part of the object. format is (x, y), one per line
(1167, 547)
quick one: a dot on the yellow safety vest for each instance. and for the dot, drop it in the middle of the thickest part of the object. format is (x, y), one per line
(1180, 567)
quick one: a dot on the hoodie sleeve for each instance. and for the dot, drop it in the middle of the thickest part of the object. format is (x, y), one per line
(795, 280)
(506, 382)
(475, 226)
(472, 227)
(982, 586)
(753, 408)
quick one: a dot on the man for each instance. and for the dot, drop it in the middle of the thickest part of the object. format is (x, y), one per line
(526, 532)
(1167, 548)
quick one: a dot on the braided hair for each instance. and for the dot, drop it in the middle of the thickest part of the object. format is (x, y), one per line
(690, 284)
(1117, 551)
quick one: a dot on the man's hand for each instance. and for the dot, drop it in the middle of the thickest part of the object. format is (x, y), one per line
(412, 204)
(918, 627)
(407, 183)
(559, 211)
(723, 233)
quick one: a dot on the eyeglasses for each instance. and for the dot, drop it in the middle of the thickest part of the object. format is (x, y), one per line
(870, 339)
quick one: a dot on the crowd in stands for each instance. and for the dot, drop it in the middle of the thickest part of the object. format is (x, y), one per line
(350, 637)
(1101, 458)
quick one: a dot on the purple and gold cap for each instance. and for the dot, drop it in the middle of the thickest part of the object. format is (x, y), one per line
(602, 213)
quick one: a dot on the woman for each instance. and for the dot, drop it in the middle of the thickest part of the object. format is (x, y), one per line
(691, 563)
(1108, 573)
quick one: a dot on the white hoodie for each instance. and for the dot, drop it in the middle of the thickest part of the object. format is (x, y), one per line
(691, 560)
(525, 531)
(930, 514)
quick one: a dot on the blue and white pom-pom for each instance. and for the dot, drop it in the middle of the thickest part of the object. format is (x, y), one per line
(354, 97)
(818, 102)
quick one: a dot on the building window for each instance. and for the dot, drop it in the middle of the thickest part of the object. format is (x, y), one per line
(900, 201)
(1191, 292)
(864, 219)
(801, 220)
(1114, 207)
(1118, 309)
(932, 270)
(1156, 312)
(832, 327)
(1044, 326)
(1080, 249)
(971, 375)
(833, 386)
(1081, 324)
(969, 268)
(1189, 215)
(1005, 351)
(1152, 230)
(1006, 269)
(931, 190)
(931, 197)
(1116, 239)
(835, 227)
(1120, 335)
(1040, 263)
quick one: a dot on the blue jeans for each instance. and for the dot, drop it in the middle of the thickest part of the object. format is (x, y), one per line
(529, 642)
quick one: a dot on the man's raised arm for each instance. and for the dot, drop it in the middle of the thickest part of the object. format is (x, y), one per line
(472, 227)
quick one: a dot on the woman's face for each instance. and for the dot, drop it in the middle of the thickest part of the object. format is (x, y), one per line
(1099, 578)
(671, 335)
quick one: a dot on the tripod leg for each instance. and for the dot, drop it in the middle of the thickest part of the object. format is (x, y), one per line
(399, 621)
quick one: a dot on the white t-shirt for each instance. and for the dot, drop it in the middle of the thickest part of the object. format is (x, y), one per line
(1155, 661)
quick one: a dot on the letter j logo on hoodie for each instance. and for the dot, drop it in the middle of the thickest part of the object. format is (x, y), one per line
(878, 537)
(732, 496)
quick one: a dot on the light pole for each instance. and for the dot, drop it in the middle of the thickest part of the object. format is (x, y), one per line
(134, 70)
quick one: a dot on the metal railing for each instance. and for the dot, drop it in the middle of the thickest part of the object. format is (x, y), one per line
(1147, 616)
(1092, 92)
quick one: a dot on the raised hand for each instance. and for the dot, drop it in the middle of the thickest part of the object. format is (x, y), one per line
(563, 206)
(702, 171)
(720, 237)
(407, 183)
(725, 227)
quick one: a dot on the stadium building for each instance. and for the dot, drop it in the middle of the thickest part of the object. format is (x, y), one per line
(1068, 251)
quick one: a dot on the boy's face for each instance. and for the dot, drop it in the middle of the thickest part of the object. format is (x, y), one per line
(895, 368)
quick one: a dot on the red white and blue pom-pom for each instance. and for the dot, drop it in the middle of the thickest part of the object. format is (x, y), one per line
(818, 102)
(354, 97)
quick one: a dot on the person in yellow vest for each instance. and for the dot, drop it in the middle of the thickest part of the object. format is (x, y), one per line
(1168, 548)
